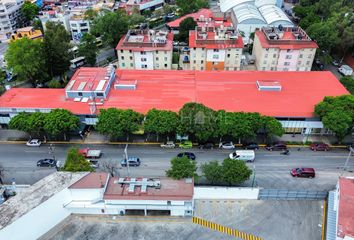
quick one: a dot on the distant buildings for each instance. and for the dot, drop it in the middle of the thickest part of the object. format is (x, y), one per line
(141, 5)
(28, 32)
(283, 49)
(215, 48)
(9, 12)
(55, 16)
(145, 49)
(78, 25)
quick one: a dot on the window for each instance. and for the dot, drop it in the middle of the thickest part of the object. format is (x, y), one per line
(286, 63)
(288, 50)
(288, 57)
(143, 66)
(143, 59)
(285, 69)
(165, 58)
(122, 57)
(165, 52)
(307, 62)
(202, 61)
(157, 65)
(130, 51)
(83, 24)
(263, 68)
(99, 94)
(265, 62)
(201, 68)
(309, 56)
(123, 64)
(272, 68)
(202, 49)
(131, 65)
(165, 65)
(194, 48)
(227, 69)
(79, 94)
(215, 56)
(131, 58)
(143, 53)
(194, 61)
(266, 55)
(228, 55)
(157, 51)
(157, 58)
(301, 55)
(274, 55)
(121, 51)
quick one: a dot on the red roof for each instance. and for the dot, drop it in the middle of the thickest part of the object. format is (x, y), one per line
(212, 43)
(170, 190)
(167, 47)
(171, 89)
(345, 225)
(88, 79)
(284, 43)
(91, 180)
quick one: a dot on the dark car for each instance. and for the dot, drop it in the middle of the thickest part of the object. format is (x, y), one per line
(208, 145)
(252, 146)
(303, 172)
(189, 155)
(133, 161)
(319, 147)
(47, 162)
(276, 147)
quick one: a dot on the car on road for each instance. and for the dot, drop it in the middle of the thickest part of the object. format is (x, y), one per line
(319, 147)
(251, 146)
(168, 144)
(227, 145)
(189, 155)
(276, 147)
(33, 143)
(186, 144)
(46, 162)
(132, 161)
(208, 145)
(303, 172)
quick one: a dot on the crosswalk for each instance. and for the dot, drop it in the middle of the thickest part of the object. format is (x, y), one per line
(224, 229)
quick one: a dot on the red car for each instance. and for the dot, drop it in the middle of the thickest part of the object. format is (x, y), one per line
(319, 147)
(303, 172)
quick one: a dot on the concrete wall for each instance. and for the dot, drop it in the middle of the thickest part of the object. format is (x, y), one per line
(225, 193)
(39, 220)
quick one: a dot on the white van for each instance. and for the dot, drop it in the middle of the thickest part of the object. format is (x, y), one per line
(243, 155)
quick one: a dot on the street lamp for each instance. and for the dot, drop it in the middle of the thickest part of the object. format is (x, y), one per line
(51, 149)
(254, 175)
(126, 159)
(349, 155)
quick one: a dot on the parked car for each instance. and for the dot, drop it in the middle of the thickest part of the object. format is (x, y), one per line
(345, 70)
(168, 144)
(93, 162)
(252, 146)
(33, 143)
(276, 147)
(335, 62)
(227, 145)
(189, 155)
(319, 147)
(46, 162)
(303, 172)
(208, 145)
(186, 144)
(132, 161)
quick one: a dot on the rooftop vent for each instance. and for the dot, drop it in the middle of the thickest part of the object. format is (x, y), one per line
(126, 85)
(272, 86)
(142, 183)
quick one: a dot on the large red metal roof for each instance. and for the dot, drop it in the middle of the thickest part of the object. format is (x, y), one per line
(171, 89)
(345, 225)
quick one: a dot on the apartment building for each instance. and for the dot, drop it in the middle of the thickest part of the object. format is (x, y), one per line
(78, 25)
(215, 48)
(283, 49)
(145, 49)
(9, 12)
(57, 17)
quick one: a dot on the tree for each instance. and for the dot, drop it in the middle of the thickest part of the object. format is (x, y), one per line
(197, 120)
(182, 168)
(111, 26)
(325, 34)
(76, 162)
(212, 172)
(90, 14)
(136, 19)
(118, 122)
(191, 5)
(339, 122)
(28, 12)
(36, 122)
(54, 83)
(20, 122)
(2, 81)
(271, 127)
(26, 58)
(59, 122)
(111, 167)
(56, 48)
(348, 83)
(88, 48)
(235, 171)
(161, 122)
(184, 27)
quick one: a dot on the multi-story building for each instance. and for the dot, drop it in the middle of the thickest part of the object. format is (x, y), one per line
(142, 5)
(9, 12)
(214, 48)
(57, 17)
(28, 32)
(78, 25)
(145, 49)
(283, 49)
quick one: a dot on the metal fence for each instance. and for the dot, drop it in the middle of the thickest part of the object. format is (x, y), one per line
(283, 194)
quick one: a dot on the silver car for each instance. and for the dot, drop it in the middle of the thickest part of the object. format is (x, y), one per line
(33, 143)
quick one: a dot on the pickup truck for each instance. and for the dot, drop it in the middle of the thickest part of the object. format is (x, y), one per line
(90, 153)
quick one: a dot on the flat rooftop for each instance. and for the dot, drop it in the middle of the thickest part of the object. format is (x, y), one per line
(88, 79)
(91, 180)
(345, 225)
(171, 89)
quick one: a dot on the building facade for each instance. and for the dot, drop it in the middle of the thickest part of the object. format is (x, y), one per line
(283, 49)
(78, 26)
(145, 50)
(9, 12)
(55, 16)
(214, 48)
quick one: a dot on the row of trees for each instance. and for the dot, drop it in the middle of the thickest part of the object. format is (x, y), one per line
(193, 119)
(229, 172)
(191, 5)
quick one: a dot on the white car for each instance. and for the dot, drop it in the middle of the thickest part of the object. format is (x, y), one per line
(33, 143)
(227, 145)
(169, 144)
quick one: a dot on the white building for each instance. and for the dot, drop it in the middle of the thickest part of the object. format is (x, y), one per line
(9, 12)
(57, 17)
(78, 25)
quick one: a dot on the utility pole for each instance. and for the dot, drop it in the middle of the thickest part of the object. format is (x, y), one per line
(254, 175)
(126, 159)
(346, 161)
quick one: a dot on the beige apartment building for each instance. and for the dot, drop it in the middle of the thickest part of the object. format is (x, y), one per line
(145, 50)
(214, 48)
(283, 49)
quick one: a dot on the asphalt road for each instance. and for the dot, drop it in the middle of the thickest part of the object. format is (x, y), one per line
(272, 168)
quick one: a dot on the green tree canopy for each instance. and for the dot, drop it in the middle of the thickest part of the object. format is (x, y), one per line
(28, 12)
(76, 162)
(184, 27)
(90, 14)
(325, 34)
(26, 58)
(32, 123)
(88, 48)
(339, 122)
(271, 127)
(191, 5)
(111, 26)
(20, 122)
(212, 171)
(54, 83)
(161, 122)
(234, 171)
(118, 122)
(56, 49)
(348, 83)
(2, 81)
(59, 122)
(182, 168)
